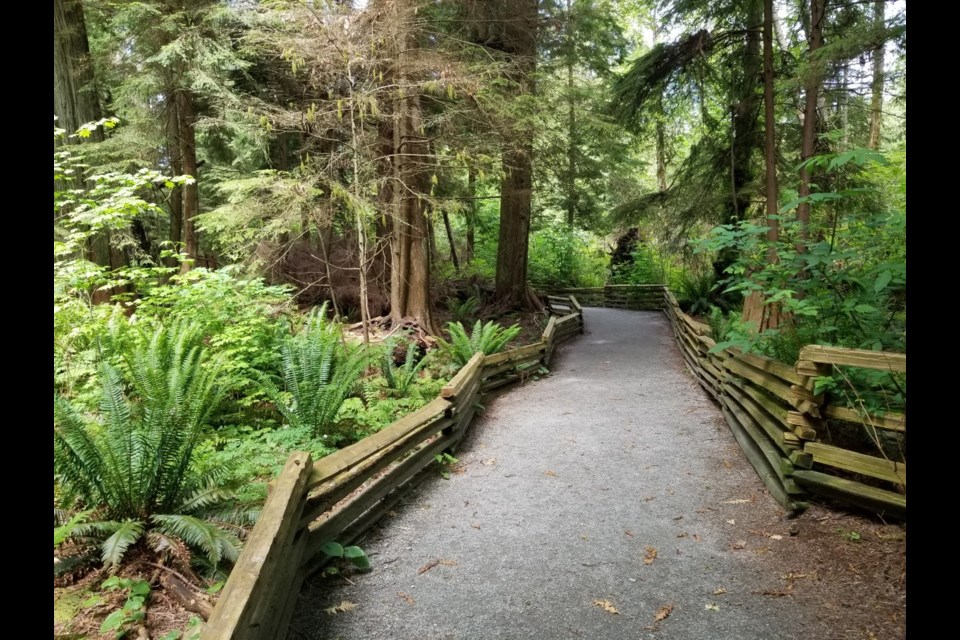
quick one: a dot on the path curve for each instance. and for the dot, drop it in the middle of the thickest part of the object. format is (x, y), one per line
(567, 487)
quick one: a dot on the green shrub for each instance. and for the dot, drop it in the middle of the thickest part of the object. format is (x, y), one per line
(135, 469)
(486, 338)
(319, 370)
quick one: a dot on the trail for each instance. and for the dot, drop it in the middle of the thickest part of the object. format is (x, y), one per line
(612, 484)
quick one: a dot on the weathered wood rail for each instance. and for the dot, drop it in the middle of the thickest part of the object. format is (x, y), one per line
(340, 496)
(774, 414)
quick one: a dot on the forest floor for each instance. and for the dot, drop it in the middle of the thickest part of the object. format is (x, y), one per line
(610, 500)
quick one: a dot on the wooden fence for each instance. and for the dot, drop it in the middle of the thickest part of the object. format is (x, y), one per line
(340, 496)
(774, 414)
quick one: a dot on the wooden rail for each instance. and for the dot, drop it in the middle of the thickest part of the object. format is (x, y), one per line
(772, 411)
(340, 496)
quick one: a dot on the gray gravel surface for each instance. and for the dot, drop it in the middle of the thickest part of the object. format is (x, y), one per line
(566, 488)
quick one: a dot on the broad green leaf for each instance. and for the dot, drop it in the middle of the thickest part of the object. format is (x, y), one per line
(882, 281)
(333, 549)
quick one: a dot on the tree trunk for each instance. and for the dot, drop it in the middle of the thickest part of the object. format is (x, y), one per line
(410, 242)
(176, 168)
(810, 117)
(471, 214)
(770, 137)
(755, 308)
(571, 125)
(75, 100)
(191, 192)
(519, 24)
(453, 246)
(876, 87)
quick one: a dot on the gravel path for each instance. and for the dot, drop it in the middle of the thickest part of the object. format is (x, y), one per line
(611, 485)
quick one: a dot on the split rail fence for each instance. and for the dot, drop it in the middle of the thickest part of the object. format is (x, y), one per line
(337, 498)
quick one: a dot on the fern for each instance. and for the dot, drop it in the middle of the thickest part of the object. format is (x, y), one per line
(126, 535)
(486, 338)
(319, 372)
(139, 458)
(461, 310)
(400, 378)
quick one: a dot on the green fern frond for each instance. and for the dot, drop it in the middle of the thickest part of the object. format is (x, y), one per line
(215, 544)
(486, 338)
(114, 547)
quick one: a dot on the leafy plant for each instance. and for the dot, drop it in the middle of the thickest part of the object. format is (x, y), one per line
(399, 378)
(446, 461)
(132, 611)
(460, 310)
(697, 293)
(319, 372)
(136, 468)
(354, 554)
(486, 338)
(244, 320)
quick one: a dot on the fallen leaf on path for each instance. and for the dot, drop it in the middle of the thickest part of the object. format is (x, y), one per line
(740, 544)
(475, 525)
(794, 575)
(649, 498)
(696, 537)
(736, 501)
(727, 464)
(678, 517)
(711, 607)
(434, 563)
(345, 605)
(776, 537)
(628, 533)
(682, 535)
(731, 522)
(719, 591)
(584, 538)
(406, 597)
(489, 462)
(607, 606)
(550, 473)
(663, 613)
(650, 555)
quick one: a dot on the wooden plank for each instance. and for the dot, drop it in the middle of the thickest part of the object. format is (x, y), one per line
(570, 317)
(803, 425)
(251, 580)
(812, 369)
(890, 421)
(801, 459)
(698, 328)
(805, 401)
(772, 427)
(576, 305)
(330, 492)
(882, 360)
(760, 463)
(549, 330)
(490, 372)
(323, 531)
(775, 455)
(783, 371)
(763, 379)
(514, 354)
(886, 503)
(872, 466)
(463, 377)
(339, 461)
